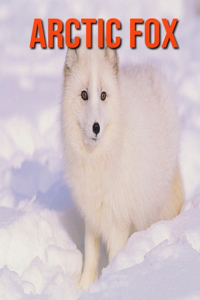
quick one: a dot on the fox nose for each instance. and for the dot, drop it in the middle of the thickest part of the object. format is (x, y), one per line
(96, 128)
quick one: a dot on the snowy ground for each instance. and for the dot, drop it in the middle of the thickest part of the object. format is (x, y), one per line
(41, 234)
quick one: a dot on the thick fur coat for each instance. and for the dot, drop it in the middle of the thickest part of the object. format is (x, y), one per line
(126, 176)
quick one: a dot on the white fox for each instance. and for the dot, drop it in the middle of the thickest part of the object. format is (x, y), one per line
(121, 137)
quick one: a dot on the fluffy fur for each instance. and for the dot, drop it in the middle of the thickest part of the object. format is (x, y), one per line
(129, 177)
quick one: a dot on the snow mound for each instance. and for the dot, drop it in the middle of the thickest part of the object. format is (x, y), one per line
(162, 261)
(37, 256)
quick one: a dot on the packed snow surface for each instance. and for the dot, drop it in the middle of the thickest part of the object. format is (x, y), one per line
(41, 233)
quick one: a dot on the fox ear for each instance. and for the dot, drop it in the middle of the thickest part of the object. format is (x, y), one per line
(71, 58)
(112, 56)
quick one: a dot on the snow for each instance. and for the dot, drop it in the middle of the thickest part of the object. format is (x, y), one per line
(162, 261)
(41, 233)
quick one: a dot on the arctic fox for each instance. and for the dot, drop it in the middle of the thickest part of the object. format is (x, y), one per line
(121, 139)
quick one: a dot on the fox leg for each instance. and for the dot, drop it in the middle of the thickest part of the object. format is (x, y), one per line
(116, 241)
(91, 257)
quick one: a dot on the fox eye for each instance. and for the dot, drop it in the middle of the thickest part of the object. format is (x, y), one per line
(84, 95)
(103, 96)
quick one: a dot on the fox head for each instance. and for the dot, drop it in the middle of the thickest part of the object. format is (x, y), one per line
(90, 95)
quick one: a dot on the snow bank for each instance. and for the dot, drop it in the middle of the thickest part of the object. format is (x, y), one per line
(161, 262)
(37, 256)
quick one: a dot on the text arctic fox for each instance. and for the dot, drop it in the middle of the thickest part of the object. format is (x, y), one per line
(151, 28)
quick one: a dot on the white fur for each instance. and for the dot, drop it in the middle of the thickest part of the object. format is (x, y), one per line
(123, 181)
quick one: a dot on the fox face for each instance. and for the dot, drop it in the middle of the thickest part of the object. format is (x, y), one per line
(91, 93)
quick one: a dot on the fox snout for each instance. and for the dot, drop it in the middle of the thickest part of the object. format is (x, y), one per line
(96, 128)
